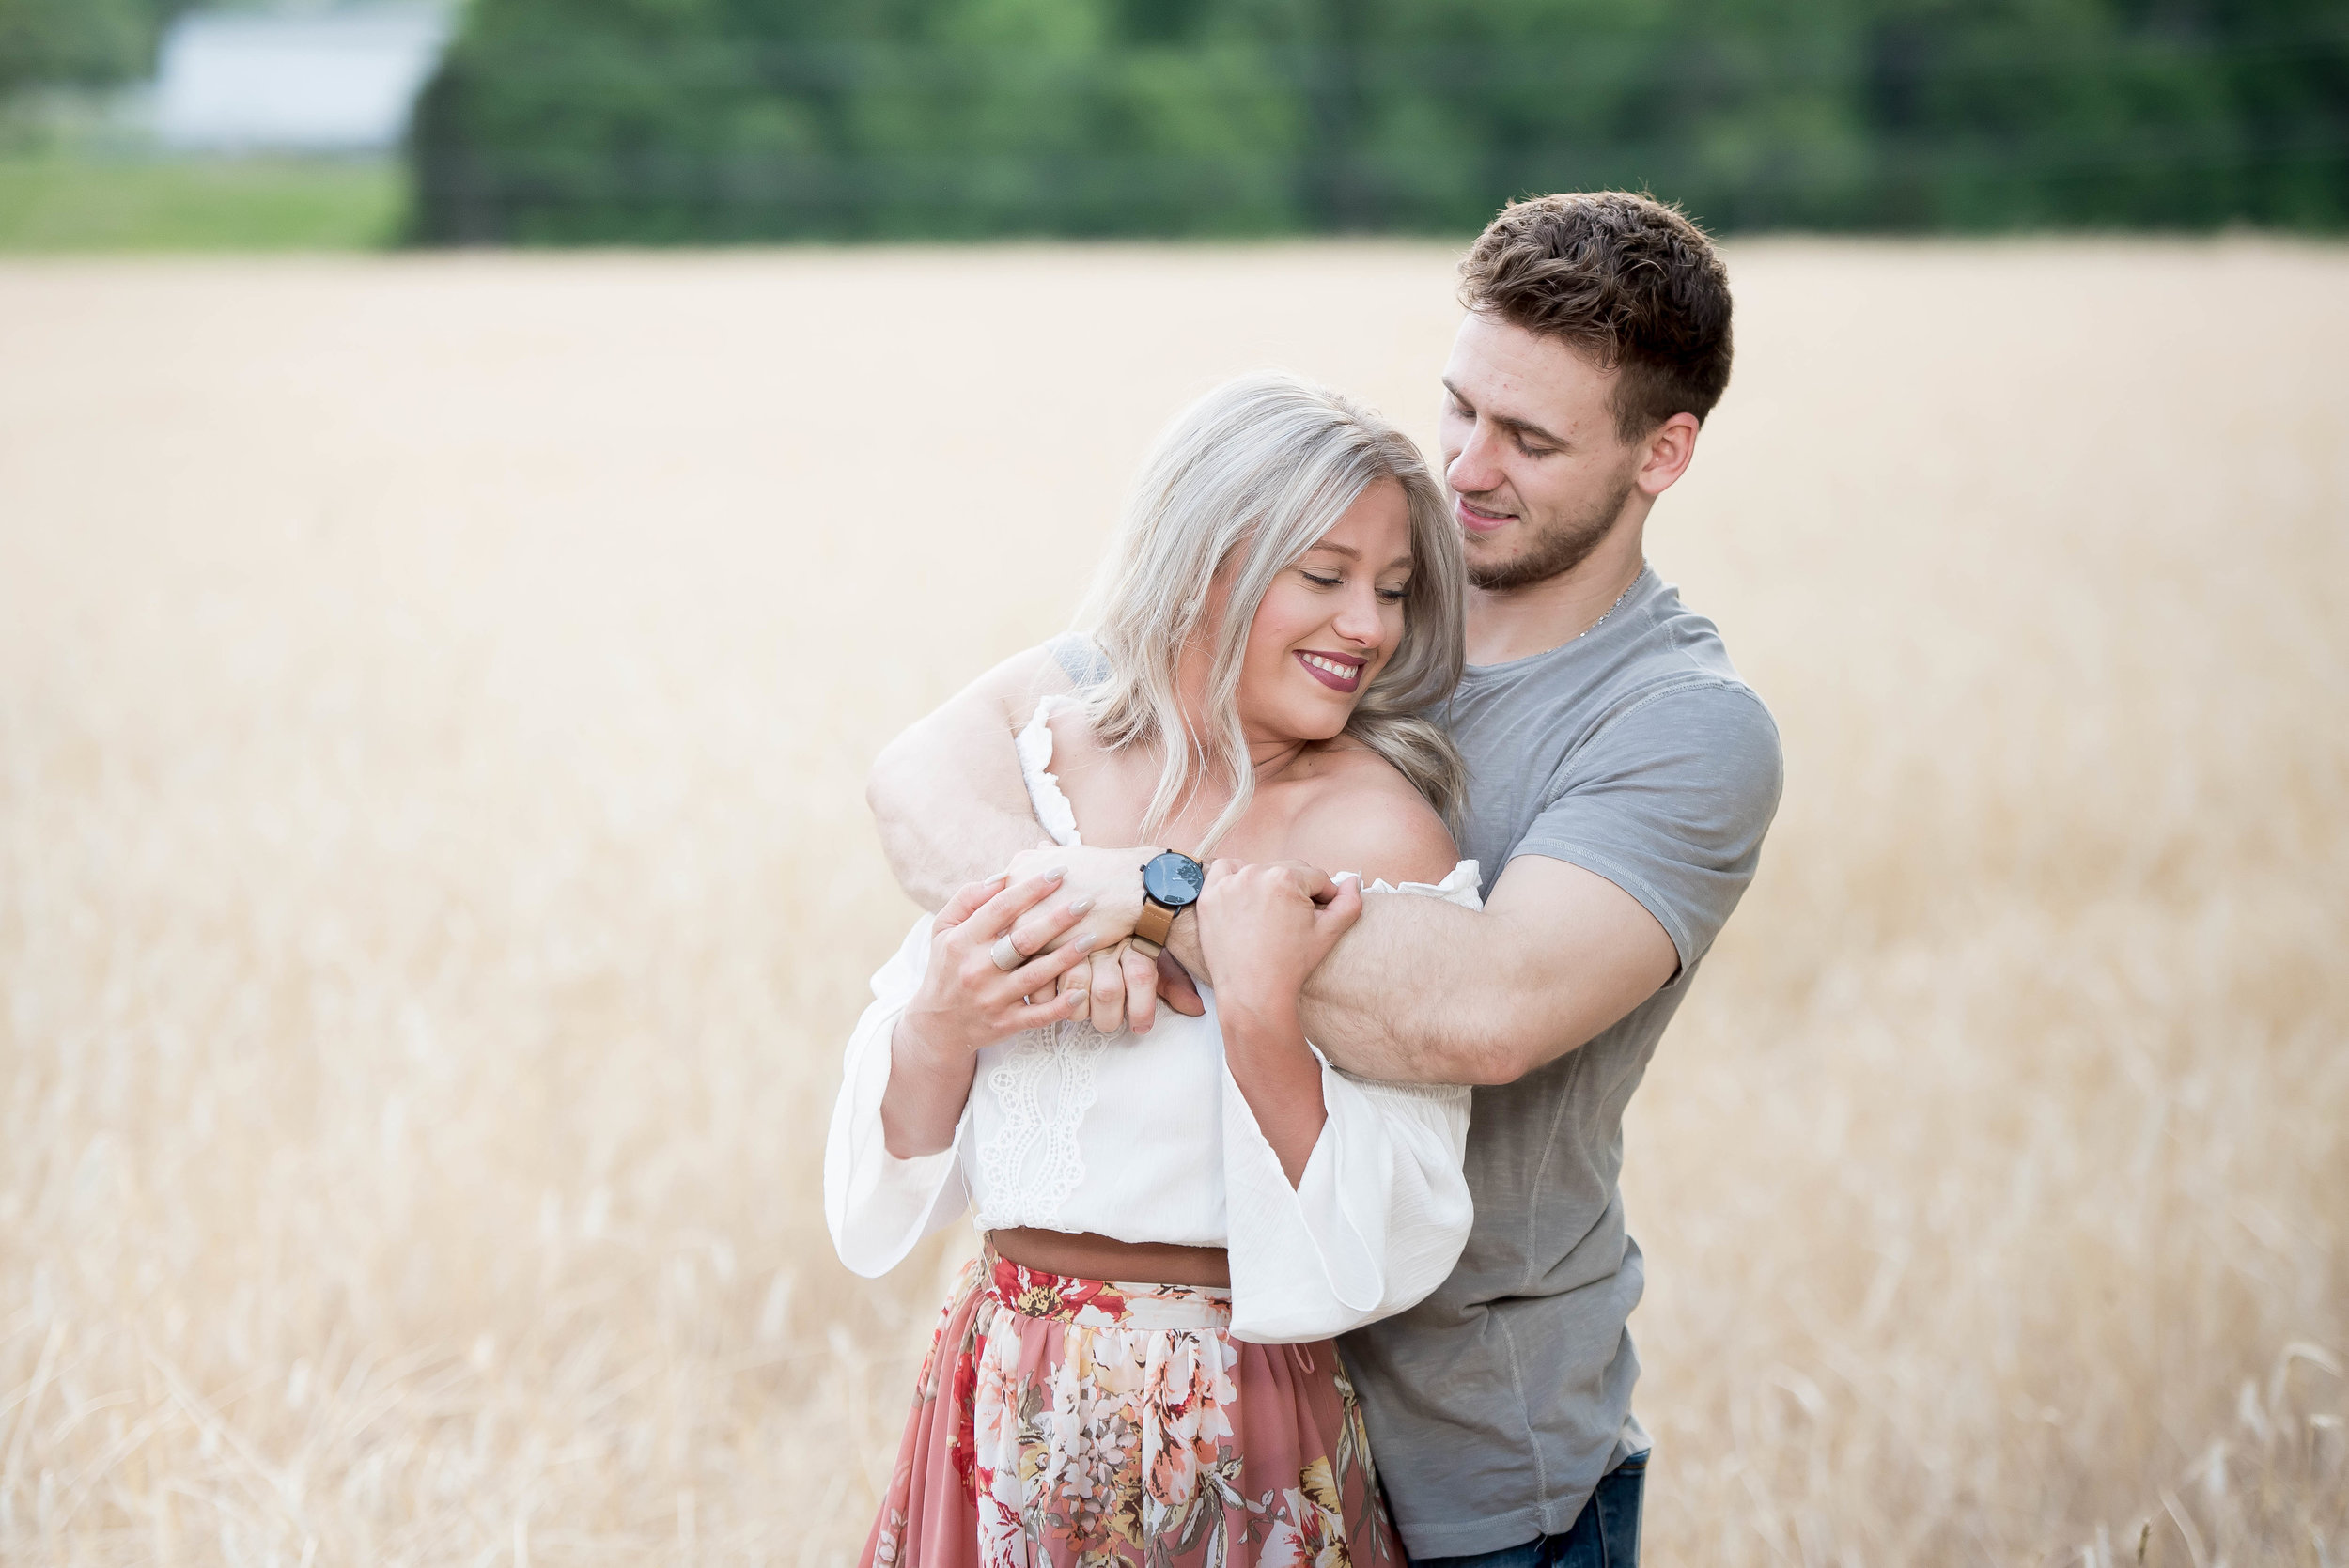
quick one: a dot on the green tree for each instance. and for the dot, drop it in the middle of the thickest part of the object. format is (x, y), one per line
(74, 43)
(557, 120)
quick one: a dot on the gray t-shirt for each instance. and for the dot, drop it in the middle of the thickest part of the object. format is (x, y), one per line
(1495, 1405)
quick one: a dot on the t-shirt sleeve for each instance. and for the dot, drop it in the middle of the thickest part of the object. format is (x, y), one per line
(1079, 660)
(1669, 802)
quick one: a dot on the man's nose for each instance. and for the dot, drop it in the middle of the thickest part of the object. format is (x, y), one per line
(1473, 470)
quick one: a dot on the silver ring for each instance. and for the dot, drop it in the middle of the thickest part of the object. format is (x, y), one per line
(1006, 956)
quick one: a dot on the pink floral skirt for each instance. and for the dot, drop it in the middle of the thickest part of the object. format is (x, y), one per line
(1072, 1422)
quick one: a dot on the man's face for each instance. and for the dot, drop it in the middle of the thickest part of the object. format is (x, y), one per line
(1538, 473)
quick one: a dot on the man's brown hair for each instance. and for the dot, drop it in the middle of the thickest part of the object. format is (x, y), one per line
(1622, 278)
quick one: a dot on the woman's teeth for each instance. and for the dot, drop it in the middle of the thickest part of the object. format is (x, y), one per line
(1343, 672)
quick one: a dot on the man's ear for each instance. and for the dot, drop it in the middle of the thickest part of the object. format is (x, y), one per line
(1670, 447)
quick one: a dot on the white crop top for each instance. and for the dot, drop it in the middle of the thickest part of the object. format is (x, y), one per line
(1148, 1139)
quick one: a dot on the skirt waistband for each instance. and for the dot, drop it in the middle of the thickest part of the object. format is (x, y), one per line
(1102, 1303)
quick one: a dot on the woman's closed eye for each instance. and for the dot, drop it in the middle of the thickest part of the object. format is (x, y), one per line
(1392, 593)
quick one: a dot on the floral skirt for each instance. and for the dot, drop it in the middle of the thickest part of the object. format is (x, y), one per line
(1071, 1423)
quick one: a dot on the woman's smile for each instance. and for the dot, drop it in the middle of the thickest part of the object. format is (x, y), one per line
(1339, 671)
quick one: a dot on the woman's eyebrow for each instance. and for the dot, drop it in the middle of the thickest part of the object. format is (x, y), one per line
(1327, 547)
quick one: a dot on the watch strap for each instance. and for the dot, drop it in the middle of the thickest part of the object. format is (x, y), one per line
(1155, 922)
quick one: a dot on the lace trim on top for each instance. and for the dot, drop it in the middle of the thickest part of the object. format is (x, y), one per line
(1032, 1163)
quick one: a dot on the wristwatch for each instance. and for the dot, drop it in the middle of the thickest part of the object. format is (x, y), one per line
(1170, 884)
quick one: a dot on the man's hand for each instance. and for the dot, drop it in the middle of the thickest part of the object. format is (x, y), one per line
(1111, 879)
(1125, 989)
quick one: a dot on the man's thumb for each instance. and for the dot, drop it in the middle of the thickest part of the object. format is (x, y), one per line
(1176, 988)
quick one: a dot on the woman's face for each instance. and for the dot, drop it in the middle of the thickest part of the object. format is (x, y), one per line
(1328, 622)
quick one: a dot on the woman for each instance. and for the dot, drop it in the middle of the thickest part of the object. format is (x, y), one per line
(1138, 1367)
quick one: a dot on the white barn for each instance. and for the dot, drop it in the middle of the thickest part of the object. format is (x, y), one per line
(342, 79)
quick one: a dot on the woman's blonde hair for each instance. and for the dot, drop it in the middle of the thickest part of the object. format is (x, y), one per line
(1252, 475)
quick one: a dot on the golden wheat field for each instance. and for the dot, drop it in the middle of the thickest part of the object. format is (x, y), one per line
(434, 882)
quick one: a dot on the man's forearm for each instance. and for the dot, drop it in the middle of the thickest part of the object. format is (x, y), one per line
(933, 853)
(952, 806)
(1386, 1002)
(1422, 991)
(947, 794)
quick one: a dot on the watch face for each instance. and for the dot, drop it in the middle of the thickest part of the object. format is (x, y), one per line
(1173, 879)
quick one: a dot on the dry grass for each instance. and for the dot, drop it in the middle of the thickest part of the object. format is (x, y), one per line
(433, 882)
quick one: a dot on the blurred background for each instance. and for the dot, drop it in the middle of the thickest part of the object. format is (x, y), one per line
(438, 670)
(352, 123)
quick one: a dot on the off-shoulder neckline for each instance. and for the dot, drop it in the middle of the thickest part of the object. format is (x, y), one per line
(1059, 817)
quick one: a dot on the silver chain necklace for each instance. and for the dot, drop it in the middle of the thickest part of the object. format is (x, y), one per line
(1612, 608)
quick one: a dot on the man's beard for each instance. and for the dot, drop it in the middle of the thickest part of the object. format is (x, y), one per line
(1557, 549)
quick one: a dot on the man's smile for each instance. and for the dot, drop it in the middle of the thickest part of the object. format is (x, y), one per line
(1476, 520)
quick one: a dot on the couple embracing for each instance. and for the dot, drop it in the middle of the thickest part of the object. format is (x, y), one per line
(1381, 835)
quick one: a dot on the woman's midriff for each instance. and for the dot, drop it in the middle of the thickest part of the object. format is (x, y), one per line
(1085, 1256)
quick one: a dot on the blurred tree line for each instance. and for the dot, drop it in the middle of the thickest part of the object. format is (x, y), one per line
(653, 120)
(79, 43)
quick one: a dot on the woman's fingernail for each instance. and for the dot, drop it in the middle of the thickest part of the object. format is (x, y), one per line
(1079, 906)
(1056, 873)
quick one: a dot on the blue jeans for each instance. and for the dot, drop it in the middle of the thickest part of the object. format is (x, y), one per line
(1606, 1534)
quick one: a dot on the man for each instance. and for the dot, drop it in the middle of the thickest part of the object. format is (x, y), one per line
(1620, 779)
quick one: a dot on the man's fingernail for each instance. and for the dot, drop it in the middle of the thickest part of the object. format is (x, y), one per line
(1079, 906)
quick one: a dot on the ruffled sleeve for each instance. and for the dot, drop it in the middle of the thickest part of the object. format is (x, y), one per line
(1382, 1212)
(878, 1206)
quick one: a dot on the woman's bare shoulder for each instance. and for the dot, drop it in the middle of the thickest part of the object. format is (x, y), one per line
(1075, 748)
(1107, 790)
(1366, 816)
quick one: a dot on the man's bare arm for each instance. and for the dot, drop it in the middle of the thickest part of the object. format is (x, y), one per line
(947, 794)
(953, 809)
(1422, 991)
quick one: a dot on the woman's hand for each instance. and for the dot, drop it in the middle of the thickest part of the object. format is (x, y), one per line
(1127, 988)
(1265, 927)
(967, 1001)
